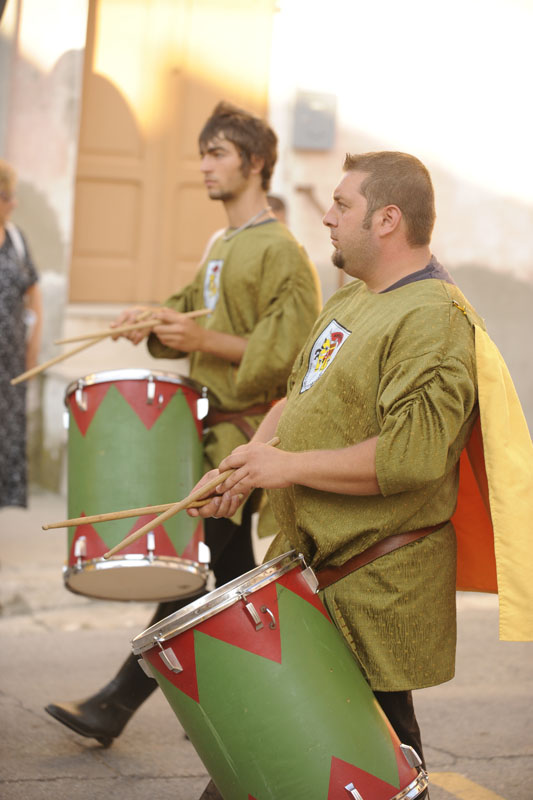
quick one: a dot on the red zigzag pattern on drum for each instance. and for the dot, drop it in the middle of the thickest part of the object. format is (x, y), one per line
(148, 413)
(235, 631)
(342, 773)
(96, 547)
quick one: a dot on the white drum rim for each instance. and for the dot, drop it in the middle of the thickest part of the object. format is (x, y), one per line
(133, 559)
(216, 601)
(134, 374)
(136, 560)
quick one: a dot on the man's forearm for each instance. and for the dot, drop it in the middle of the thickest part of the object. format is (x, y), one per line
(351, 470)
(224, 345)
(267, 429)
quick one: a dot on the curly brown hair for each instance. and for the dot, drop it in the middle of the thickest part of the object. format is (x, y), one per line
(251, 136)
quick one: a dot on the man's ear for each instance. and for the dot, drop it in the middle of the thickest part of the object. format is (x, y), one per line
(256, 164)
(389, 219)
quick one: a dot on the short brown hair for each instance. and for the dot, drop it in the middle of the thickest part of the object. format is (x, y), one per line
(250, 135)
(397, 179)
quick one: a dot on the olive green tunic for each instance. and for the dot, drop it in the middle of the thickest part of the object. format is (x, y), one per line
(399, 365)
(261, 286)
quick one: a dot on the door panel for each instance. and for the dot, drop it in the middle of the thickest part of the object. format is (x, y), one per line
(152, 77)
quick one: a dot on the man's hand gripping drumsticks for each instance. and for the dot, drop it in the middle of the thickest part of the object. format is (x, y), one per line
(172, 329)
(180, 332)
(254, 468)
(348, 470)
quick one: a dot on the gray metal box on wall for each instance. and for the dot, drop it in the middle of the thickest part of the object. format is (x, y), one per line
(314, 121)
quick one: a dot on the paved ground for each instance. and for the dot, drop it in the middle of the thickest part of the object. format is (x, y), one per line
(55, 645)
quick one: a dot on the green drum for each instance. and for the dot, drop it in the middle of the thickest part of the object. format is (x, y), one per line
(271, 696)
(134, 440)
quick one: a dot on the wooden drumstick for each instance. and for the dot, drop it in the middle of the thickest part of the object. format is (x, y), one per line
(135, 326)
(30, 373)
(193, 496)
(129, 512)
(24, 376)
(127, 328)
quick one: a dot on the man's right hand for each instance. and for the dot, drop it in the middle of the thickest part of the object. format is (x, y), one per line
(220, 505)
(129, 317)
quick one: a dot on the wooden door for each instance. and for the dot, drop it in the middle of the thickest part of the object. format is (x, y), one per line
(154, 70)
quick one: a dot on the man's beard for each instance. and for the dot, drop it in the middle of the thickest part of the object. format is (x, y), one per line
(338, 259)
(220, 194)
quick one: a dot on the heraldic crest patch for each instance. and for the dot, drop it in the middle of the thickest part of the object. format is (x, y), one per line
(323, 352)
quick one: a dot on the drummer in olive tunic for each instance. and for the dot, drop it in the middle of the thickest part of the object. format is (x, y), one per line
(264, 296)
(380, 404)
(397, 365)
(261, 287)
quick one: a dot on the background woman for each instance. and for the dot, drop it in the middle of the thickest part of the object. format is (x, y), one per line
(20, 338)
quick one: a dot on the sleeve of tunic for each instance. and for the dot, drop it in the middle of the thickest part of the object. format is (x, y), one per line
(425, 400)
(288, 303)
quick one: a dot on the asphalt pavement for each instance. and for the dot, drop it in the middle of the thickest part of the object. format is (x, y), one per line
(55, 645)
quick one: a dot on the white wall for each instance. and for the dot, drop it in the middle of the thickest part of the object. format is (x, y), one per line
(450, 83)
(41, 51)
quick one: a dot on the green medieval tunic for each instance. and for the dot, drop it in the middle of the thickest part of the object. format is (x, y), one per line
(399, 365)
(260, 285)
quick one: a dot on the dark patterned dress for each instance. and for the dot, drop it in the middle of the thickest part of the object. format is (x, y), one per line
(16, 277)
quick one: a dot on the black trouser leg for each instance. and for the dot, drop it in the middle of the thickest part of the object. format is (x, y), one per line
(231, 555)
(132, 686)
(104, 715)
(231, 546)
(399, 710)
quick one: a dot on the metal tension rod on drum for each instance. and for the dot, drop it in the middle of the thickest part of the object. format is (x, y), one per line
(197, 494)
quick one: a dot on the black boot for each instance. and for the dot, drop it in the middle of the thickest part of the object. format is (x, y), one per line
(211, 792)
(104, 715)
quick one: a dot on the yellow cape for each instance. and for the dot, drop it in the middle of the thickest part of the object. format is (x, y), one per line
(494, 515)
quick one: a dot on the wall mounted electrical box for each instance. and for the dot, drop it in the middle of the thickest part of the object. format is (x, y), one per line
(314, 121)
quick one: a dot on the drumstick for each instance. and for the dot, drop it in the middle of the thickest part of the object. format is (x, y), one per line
(185, 503)
(129, 512)
(41, 367)
(126, 328)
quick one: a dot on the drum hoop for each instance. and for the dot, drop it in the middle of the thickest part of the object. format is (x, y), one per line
(178, 565)
(115, 375)
(415, 788)
(216, 601)
(136, 560)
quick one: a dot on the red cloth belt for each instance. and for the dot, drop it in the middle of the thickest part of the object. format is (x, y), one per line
(215, 417)
(330, 575)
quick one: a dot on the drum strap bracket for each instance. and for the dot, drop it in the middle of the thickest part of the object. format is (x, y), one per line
(169, 658)
(310, 578)
(150, 390)
(80, 550)
(256, 619)
(81, 400)
(150, 545)
(145, 668)
(350, 788)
